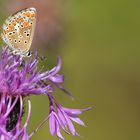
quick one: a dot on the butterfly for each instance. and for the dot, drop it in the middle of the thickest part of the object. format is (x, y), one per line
(18, 31)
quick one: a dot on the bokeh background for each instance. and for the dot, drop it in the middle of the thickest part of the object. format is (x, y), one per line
(99, 42)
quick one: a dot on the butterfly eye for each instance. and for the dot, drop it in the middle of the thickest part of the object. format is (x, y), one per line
(29, 54)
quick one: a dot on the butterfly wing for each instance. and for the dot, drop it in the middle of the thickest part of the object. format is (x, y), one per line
(18, 30)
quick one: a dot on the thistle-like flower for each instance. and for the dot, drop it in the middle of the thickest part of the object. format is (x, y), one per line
(18, 81)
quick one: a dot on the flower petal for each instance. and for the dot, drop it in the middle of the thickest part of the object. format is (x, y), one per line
(57, 68)
(58, 133)
(78, 120)
(57, 78)
(25, 135)
(75, 111)
(69, 123)
(52, 124)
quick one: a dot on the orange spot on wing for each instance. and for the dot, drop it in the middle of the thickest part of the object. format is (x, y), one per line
(33, 15)
(14, 23)
(10, 27)
(29, 26)
(21, 20)
(26, 24)
(27, 14)
(17, 20)
(6, 31)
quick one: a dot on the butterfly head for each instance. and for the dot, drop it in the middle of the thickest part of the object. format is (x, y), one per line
(29, 54)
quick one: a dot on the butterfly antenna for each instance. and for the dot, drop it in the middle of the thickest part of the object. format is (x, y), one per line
(42, 58)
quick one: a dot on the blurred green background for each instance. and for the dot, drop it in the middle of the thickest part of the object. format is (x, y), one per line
(99, 42)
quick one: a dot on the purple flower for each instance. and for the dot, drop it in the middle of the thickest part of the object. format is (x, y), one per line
(61, 117)
(18, 80)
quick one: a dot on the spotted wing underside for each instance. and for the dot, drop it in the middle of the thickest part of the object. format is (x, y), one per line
(18, 30)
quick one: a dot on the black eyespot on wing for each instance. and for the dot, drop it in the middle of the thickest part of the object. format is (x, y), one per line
(19, 41)
(15, 41)
(10, 33)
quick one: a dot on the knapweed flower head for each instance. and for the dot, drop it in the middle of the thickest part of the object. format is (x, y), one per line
(18, 81)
